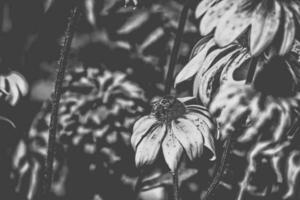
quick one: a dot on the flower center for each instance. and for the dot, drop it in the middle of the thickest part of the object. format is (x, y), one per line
(168, 108)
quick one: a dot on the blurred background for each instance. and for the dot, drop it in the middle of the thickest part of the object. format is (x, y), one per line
(117, 65)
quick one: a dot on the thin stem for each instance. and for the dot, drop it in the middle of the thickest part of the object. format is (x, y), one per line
(251, 71)
(220, 169)
(175, 185)
(175, 50)
(69, 33)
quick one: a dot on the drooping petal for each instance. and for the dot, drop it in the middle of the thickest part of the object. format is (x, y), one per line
(289, 31)
(209, 78)
(193, 65)
(205, 127)
(207, 62)
(172, 150)
(149, 147)
(231, 25)
(264, 26)
(214, 14)
(203, 6)
(142, 127)
(295, 7)
(189, 137)
(238, 62)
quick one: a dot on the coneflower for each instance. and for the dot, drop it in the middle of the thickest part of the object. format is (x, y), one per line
(272, 23)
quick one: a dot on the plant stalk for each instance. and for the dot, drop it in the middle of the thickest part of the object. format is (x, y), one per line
(175, 185)
(175, 50)
(48, 173)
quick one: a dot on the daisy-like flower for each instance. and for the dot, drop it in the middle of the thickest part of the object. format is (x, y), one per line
(211, 66)
(173, 127)
(12, 87)
(269, 21)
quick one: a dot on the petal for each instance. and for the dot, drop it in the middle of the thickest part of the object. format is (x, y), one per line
(172, 151)
(205, 127)
(210, 78)
(289, 31)
(264, 26)
(208, 61)
(214, 14)
(189, 137)
(203, 6)
(295, 6)
(237, 70)
(193, 65)
(143, 126)
(21, 82)
(232, 25)
(2, 84)
(200, 110)
(149, 147)
(14, 93)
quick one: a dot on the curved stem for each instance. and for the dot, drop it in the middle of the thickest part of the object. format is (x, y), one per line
(175, 185)
(48, 174)
(175, 50)
(220, 169)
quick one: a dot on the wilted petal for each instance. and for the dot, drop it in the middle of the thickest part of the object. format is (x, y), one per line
(193, 65)
(264, 26)
(189, 137)
(149, 147)
(289, 31)
(172, 150)
(141, 128)
(205, 127)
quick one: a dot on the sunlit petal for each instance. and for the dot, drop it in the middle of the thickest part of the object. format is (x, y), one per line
(149, 147)
(172, 151)
(142, 127)
(189, 137)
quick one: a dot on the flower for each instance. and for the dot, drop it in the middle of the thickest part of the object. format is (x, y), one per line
(270, 21)
(12, 86)
(174, 127)
(212, 66)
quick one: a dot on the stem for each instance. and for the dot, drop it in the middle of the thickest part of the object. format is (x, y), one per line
(69, 33)
(220, 170)
(175, 50)
(175, 185)
(251, 71)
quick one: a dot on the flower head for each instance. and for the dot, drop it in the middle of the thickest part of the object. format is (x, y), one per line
(212, 66)
(269, 21)
(173, 127)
